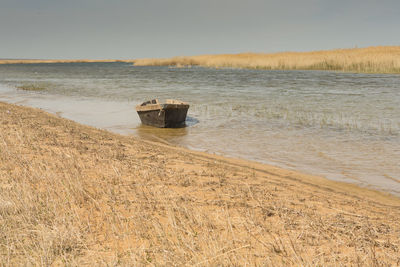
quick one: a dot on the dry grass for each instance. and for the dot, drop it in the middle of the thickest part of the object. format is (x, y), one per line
(382, 59)
(74, 195)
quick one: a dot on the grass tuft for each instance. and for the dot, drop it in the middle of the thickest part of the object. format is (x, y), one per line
(32, 87)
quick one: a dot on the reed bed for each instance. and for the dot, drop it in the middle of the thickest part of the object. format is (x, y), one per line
(74, 195)
(381, 59)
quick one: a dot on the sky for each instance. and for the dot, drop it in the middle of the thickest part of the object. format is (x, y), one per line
(128, 29)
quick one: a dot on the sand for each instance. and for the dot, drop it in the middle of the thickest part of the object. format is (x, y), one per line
(75, 195)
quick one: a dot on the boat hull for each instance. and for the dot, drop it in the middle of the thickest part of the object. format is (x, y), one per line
(167, 116)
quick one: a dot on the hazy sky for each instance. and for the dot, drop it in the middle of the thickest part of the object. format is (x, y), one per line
(163, 28)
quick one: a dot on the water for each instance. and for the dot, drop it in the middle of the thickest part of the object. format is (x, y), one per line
(343, 126)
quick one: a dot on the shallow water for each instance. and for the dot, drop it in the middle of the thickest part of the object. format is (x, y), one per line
(343, 126)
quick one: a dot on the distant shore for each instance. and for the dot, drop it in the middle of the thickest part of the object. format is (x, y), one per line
(36, 61)
(379, 59)
(382, 59)
(75, 195)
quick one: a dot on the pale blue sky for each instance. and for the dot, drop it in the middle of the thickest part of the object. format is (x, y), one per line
(125, 29)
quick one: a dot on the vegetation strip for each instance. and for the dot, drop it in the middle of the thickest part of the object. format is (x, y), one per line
(381, 59)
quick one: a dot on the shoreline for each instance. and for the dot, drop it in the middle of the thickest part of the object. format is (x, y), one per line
(369, 60)
(52, 61)
(91, 196)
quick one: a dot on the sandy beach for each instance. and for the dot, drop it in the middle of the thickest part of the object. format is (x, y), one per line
(76, 195)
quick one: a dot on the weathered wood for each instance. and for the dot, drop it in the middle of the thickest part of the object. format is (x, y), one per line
(172, 114)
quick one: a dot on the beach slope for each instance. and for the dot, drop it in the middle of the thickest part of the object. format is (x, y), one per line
(72, 194)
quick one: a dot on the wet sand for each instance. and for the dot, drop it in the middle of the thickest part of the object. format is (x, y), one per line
(76, 195)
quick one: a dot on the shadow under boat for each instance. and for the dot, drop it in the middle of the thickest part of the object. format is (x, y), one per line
(164, 135)
(168, 136)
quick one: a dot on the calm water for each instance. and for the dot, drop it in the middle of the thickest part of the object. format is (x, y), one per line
(343, 126)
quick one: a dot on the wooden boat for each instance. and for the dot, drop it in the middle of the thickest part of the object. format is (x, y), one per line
(171, 114)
